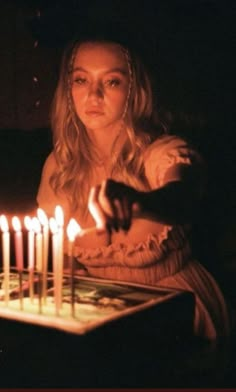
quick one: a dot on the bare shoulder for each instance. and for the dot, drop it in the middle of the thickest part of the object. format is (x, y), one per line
(50, 163)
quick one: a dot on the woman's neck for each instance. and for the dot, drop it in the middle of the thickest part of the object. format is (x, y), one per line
(104, 140)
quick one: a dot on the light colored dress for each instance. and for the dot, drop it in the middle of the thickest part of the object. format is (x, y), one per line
(151, 253)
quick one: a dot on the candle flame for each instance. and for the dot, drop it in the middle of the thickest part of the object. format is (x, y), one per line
(4, 223)
(16, 223)
(43, 219)
(28, 223)
(36, 225)
(73, 229)
(59, 215)
(53, 225)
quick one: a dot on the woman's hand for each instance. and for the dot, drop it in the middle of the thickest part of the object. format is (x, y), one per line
(112, 205)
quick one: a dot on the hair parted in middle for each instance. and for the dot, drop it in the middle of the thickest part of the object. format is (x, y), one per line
(74, 151)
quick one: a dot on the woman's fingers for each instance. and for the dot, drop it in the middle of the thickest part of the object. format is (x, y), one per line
(95, 209)
(111, 205)
(114, 198)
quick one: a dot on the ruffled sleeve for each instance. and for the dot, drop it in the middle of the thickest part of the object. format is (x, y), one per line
(167, 153)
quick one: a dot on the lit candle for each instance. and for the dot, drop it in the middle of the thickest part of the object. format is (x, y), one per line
(19, 254)
(54, 230)
(18, 243)
(39, 257)
(43, 219)
(38, 244)
(31, 254)
(6, 255)
(73, 229)
(31, 251)
(59, 216)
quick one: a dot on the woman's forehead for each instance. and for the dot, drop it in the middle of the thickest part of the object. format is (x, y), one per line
(100, 54)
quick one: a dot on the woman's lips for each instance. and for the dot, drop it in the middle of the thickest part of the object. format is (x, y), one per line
(94, 112)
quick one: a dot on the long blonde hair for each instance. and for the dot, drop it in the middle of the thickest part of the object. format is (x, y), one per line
(75, 154)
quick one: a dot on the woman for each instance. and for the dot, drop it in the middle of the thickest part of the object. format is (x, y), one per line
(111, 165)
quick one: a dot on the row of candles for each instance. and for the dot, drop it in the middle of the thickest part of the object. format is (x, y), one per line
(39, 229)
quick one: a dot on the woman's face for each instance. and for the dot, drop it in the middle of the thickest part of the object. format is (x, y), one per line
(100, 85)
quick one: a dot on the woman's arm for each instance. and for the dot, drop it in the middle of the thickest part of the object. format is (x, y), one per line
(176, 174)
(114, 204)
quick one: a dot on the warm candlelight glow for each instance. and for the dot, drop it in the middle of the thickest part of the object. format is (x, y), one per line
(43, 219)
(53, 225)
(28, 223)
(59, 216)
(36, 225)
(73, 229)
(4, 223)
(16, 223)
(18, 243)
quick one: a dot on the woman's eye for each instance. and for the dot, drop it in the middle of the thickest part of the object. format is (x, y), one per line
(80, 81)
(112, 82)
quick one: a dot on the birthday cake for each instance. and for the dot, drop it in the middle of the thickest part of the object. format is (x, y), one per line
(35, 289)
(85, 305)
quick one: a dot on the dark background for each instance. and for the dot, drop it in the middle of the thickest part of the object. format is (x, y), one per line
(190, 45)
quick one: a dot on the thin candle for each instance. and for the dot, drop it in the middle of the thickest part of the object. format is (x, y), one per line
(39, 257)
(18, 243)
(39, 243)
(31, 254)
(72, 230)
(43, 219)
(31, 243)
(6, 255)
(59, 216)
(19, 254)
(54, 230)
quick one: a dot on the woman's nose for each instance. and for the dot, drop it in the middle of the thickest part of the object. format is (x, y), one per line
(95, 91)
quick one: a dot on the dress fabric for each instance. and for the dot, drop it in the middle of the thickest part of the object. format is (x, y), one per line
(164, 255)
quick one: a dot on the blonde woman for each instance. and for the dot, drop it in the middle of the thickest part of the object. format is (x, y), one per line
(113, 167)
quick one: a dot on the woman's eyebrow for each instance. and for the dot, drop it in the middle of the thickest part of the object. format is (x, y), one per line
(117, 70)
(111, 70)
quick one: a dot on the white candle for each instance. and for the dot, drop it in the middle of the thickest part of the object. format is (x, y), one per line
(38, 244)
(18, 243)
(31, 251)
(31, 254)
(39, 257)
(72, 230)
(54, 230)
(6, 254)
(43, 219)
(59, 216)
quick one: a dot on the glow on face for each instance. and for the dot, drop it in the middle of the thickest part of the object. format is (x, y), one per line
(100, 84)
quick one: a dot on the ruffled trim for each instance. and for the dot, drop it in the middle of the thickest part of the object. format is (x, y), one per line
(175, 157)
(166, 152)
(154, 248)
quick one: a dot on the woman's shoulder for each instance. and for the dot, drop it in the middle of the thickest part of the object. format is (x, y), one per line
(50, 163)
(164, 143)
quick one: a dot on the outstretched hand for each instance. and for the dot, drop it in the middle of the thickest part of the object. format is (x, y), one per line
(112, 205)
